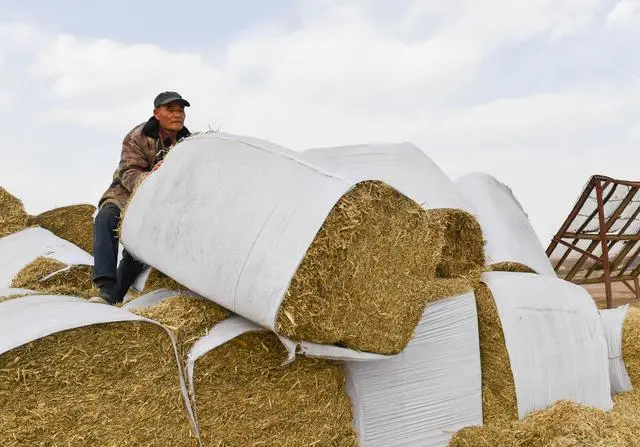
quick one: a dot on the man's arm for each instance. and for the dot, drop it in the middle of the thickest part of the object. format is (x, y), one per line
(133, 163)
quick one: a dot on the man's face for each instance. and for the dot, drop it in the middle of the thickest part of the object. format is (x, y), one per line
(170, 116)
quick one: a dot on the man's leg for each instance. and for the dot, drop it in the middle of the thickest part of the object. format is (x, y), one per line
(128, 271)
(105, 251)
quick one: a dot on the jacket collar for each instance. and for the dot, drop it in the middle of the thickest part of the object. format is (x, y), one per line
(151, 129)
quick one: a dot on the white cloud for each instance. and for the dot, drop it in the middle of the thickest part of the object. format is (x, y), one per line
(625, 14)
(349, 74)
(635, 131)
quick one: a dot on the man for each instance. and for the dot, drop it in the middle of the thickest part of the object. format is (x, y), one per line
(143, 151)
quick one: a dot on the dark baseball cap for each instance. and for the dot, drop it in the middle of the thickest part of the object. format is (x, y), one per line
(168, 97)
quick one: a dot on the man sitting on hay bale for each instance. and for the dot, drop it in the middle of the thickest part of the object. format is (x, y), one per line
(143, 151)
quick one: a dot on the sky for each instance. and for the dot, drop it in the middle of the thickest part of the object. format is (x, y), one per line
(541, 94)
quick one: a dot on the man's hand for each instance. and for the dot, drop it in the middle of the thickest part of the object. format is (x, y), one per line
(157, 166)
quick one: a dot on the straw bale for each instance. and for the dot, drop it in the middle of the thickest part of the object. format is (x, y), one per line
(246, 396)
(631, 345)
(13, 217)
(498, 388)
(563, 424)
(189, 317)
(365, 278)
(73, 223)
(158, 280)
(76, 281)
(244, 393)
(463, 250)
(509, 266)
(109, 385)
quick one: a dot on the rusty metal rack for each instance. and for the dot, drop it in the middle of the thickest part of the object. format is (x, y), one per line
(599, 240)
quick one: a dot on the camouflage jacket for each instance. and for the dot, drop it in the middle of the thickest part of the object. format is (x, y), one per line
(142, 148)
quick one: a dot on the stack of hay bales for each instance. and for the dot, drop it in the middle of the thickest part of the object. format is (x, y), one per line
(301, 251)
(512, 244)
(72, 223)
(355, 261)
(244, 390)
(74, 373)
(13, 217)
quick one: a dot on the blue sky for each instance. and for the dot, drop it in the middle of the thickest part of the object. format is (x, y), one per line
(540, 94)
(173, 25)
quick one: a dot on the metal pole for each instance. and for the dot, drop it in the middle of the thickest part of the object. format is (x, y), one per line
(605, 248)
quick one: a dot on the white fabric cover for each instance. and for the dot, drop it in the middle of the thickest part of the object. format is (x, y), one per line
(403, 166)
(232, 220)
(150, 299)
(506, 227)
(612, 324)
(26, 319)
(554, 337)
(422, 396)
(19, 249)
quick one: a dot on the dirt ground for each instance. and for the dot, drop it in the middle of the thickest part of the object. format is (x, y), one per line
(621, 295)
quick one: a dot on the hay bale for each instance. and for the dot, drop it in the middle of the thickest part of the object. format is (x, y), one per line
(245, 395)
(463, 249)
(433, 389)
(364, 280)
(110, 384)
(13, 217)
(498, 388)
(631, 345)
(158, 280)
(509, 266)
(564, 424)
(74, 281)
(73, 223)
(189, 317)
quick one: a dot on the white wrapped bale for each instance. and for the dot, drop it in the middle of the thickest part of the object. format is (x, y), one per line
(612, 324)
(295, 249)
(510, 238)
(554, 339)
(428, 392)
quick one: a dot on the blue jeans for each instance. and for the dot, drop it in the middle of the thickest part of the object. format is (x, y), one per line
(113, 280)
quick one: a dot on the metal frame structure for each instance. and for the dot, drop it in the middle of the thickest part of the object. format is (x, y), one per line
(599, 240)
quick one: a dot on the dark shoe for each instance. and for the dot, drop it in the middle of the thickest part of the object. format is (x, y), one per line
(106, 294)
